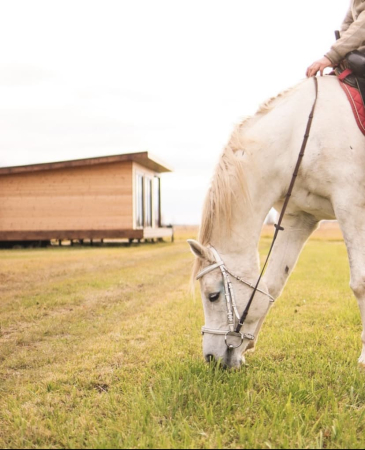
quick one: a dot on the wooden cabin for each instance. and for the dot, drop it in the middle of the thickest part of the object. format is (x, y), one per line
(97, 198)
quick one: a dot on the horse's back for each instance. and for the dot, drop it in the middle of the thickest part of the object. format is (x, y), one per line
(334, 162)
(333, 167)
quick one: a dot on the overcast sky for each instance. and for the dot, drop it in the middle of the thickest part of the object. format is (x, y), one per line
(85, 78)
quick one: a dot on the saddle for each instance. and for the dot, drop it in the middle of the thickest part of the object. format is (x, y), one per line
(351, 73)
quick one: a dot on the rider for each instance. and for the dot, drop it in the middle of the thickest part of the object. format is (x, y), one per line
(352, 38)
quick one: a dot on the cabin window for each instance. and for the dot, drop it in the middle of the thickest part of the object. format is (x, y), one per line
(148, 202)
(139, 201)
(157, 201)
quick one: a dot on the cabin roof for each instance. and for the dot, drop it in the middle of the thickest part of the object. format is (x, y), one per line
(143, 158)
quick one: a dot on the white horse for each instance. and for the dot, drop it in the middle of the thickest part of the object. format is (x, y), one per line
(253, 174)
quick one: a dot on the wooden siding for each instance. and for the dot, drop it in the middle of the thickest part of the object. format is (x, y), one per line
(98, 197)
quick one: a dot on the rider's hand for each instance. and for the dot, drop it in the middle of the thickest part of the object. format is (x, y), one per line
(319, 65)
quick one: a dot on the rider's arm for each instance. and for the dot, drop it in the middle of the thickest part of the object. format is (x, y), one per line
(351, 39)
(347, 21)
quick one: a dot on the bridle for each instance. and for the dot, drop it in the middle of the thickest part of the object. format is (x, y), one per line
(233, 333)
(232, 311)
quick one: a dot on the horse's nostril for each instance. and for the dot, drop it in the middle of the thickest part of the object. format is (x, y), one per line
(209, 358)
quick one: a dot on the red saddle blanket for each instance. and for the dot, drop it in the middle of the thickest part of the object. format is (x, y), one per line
(355, 100)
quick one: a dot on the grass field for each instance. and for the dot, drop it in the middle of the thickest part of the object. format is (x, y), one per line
(101, 348)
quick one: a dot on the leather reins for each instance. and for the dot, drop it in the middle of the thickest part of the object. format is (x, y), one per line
(278, 226)
(230, 300)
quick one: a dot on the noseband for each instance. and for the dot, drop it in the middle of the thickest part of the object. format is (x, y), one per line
(232, 312)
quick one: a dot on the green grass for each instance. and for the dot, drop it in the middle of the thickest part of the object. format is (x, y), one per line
(101, 348)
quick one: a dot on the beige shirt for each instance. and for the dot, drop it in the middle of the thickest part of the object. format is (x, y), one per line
(352, 32)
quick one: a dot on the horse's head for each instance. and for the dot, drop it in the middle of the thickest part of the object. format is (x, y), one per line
(225, 298)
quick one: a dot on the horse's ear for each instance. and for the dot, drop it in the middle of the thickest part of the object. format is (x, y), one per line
(200, 251)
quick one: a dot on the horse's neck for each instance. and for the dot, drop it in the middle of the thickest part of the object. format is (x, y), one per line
(268, 158)
(242, 237)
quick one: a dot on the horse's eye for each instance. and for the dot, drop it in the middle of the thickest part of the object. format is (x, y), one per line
(214, 297)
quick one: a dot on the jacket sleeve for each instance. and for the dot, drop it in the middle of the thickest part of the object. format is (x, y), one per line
(352, 36)
(347, 21)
